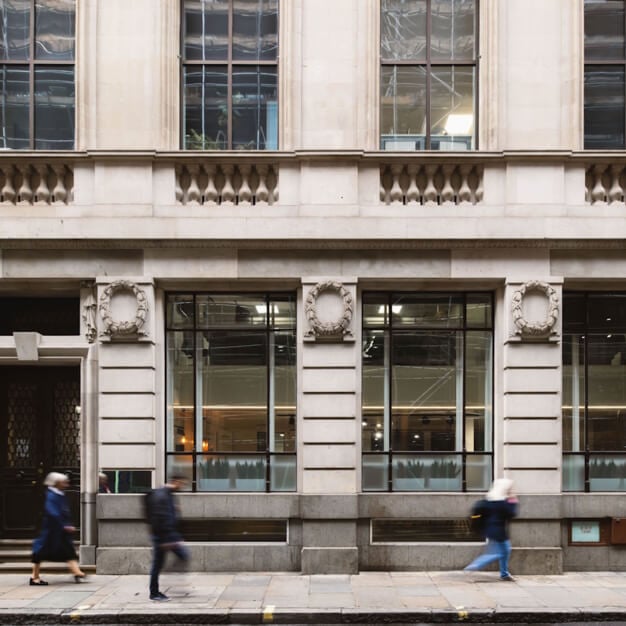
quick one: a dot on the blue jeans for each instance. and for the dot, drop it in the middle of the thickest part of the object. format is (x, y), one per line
(496, 550)
(158, 559)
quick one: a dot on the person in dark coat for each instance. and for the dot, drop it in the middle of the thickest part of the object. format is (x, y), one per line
(163, 519)
(500, 506)
(55, 540)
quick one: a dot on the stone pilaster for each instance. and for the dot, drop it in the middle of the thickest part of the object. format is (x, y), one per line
(328, 408)
(532, 385)
(126, 373)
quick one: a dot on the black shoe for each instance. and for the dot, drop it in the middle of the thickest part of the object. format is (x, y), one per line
(80, 579)
(159, 597)
(508, 578)
(37, 583)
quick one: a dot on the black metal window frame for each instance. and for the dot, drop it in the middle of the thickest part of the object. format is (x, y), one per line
(247, 329)
(32, 64)
(587, 453)
(430, 63)
(464, 328)
(230, 63)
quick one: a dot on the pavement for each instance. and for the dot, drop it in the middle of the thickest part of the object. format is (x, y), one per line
(292, 598)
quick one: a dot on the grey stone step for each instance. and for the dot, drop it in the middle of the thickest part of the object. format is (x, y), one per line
(14, 555)
(24, 567)
(15, 542)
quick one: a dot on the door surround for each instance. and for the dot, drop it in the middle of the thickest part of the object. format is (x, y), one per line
(51, 350)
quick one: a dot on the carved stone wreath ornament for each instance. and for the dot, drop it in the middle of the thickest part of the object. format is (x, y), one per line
(114, 327)
(339, 328)
(535, 329)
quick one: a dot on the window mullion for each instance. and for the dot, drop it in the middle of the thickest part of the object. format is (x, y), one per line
(428, 62)
(229, 79)
(31, 77)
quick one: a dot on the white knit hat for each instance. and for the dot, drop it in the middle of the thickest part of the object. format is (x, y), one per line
(501, 489)
(54, 478)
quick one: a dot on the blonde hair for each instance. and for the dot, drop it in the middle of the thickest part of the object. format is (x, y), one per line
(54, 478)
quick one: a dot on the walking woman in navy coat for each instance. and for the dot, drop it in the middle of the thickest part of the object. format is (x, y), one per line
(55, 540)
(500, 506)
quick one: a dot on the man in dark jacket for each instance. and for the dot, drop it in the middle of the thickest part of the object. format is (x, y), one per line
(499, 507)
(163, 519)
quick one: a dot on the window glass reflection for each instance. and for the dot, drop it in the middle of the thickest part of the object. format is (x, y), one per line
(433, 310)
(403, 108)
(231, 387)
(594, 391)
(180, 313)
(231, 310)
(427, 390)
(180, 392)
(604, 107)
(604, 29)
(452, 35)
(14, 106)
(255, 29)
(54, 30)
(205, 101)
(403, 30)
(606, 367)
(255, 108)
(205, 30)
(478, 391)
(14, 30)
(427, 370)
(54, 108)
(233, 105)
(452, 108)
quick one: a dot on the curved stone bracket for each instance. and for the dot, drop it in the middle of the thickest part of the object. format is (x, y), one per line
(123, 328)
(337, 330)
(541, 329)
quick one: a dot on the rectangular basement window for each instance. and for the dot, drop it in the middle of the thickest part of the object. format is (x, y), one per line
(235, 530)
(422, 531)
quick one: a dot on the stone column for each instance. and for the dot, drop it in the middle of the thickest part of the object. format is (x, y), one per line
(328, 401)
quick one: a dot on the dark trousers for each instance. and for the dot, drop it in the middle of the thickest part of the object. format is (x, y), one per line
(158, 560)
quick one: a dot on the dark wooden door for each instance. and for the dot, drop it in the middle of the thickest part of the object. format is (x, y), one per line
(39, 433)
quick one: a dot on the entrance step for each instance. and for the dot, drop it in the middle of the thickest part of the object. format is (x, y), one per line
(15, 557)
(25, 567)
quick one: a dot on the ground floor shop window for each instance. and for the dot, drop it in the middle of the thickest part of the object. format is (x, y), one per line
(427, 391)
(594, 392)
(231, 390)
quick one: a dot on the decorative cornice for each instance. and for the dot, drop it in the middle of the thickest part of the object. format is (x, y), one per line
(314, 244)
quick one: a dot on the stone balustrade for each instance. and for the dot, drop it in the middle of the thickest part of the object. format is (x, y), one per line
(605, 183)
(205, 183)
(431, 183)
(36, 183)
(175, 179)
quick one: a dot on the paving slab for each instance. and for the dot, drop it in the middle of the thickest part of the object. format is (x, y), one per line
(292, 598)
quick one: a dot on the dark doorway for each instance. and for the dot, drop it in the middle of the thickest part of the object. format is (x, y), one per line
(39, 433)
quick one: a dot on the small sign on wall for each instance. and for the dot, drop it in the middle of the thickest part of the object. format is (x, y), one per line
(585, 531)
(590, 532)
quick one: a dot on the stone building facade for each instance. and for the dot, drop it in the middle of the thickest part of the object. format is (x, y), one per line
(339, 262)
